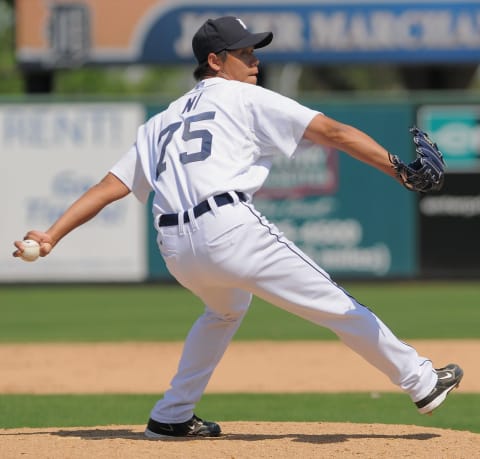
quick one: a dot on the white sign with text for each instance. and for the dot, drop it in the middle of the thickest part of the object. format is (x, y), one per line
(51, 154)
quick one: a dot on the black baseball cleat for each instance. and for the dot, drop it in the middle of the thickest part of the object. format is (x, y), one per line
(194, 427)
(449, 378)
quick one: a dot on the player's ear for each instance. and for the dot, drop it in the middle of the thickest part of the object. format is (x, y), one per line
(214, 62)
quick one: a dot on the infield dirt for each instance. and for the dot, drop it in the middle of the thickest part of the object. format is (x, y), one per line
(247, 367)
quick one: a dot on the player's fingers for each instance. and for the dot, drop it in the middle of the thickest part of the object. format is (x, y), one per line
(45, 248)
(19, 246)
(38, 236)
(44, 239)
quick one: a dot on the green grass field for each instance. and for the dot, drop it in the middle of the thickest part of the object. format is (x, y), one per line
(436, 310)
(460, 413)
(166, 312)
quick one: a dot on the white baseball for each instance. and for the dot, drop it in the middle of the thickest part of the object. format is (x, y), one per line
(31, 250)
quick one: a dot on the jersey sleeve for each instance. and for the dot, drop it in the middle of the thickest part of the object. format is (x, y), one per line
(130, 171)
(278, 122)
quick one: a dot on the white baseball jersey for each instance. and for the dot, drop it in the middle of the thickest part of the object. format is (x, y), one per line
(218, 137)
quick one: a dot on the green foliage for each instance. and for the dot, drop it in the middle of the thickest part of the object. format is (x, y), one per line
(166, 313)
(125, 81)
(105, 81)
(354, 77)
(460, 412)
(10, 77)
(175, 80)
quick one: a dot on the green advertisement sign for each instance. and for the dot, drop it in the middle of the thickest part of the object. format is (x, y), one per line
(354, 221)
(456, 130)
(351, 219)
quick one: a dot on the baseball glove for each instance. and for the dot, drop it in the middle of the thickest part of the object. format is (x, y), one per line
(427, 172)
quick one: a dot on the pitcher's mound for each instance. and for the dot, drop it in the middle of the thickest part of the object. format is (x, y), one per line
(244, 440)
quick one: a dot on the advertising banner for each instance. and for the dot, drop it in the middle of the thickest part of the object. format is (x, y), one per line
(350, 229)
(51, 153)
(450, 219)
(69, 33)
(354, 221)
(456, 130)
(450, 228)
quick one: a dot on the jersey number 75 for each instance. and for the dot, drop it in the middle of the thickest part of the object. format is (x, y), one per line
(188, 133)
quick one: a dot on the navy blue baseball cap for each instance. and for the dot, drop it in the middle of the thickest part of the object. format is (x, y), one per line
(227, 32)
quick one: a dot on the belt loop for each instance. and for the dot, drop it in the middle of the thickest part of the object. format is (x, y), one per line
(213, 205)
(193, 220)
(156, 222)
(234, 196)
(181, 223)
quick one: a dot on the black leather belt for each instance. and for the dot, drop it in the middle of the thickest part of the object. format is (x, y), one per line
(200, 209)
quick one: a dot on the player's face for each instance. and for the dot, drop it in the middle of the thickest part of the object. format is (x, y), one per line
(241, 65)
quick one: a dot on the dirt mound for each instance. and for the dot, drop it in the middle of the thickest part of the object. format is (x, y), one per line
(102, 368)
(245, 440)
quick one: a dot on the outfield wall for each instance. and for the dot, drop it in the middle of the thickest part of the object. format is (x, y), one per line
(354, 221)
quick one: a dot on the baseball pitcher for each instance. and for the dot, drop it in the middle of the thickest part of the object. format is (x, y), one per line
(204, 158)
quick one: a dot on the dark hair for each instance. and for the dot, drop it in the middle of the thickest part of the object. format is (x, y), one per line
(204, 70)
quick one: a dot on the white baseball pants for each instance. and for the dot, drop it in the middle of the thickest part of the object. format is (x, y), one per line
(232, 252)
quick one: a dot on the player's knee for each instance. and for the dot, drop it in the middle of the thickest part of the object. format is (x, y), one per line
(232, 315)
